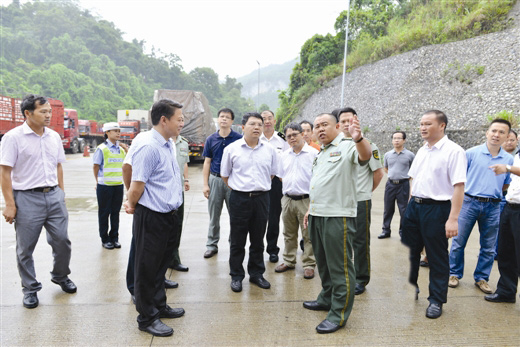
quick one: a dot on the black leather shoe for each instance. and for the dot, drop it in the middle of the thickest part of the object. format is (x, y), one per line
(168, 284)
(158, 328)
(301, 245)
(210, 253)
(108, 245)
(180, 267)
(499, 298)
(360, 289)
(424, 263)
(273, 258)
(117, 245)
(315, 306)
(260, 281)
(30, 300)
(434, 310)
(169, 312)
(383, 235)
(67, 286)
(236, 286)
(327, 327)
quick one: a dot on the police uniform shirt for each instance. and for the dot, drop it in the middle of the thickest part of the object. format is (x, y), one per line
(249, 169)
(98, 158)
(365, 178)
(182, 154)
(398, 164)
(437, 169)
(513, 192)
(333, 190)
(279, 144)
(295, 170)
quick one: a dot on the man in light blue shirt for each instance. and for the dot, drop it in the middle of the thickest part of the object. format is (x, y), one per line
(154, 196)
(483, 193)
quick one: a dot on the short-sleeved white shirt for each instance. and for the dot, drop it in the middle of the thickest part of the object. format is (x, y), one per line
(435, 170)
(295, 170)
(513, 192)
(34, 158)
(249, 169)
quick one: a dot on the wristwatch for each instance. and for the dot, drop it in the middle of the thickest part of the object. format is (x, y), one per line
(508, 168)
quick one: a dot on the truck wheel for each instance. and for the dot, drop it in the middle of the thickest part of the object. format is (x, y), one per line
(75, 147)
(93, 145)
(81, 146)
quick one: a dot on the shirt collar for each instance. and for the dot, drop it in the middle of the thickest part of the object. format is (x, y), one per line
(336, 141)
(110, 144)
(159, 138)
(439, 143)
(27, 130)
(244, 143)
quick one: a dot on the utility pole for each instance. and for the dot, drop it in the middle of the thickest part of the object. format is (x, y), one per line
(258, 93)
(345, 57)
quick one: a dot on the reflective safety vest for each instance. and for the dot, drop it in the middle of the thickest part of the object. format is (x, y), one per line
(112, 166)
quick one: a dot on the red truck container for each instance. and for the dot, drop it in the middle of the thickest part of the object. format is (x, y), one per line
(71, 140)
(11, 115)
(129, 130)
(91, 132)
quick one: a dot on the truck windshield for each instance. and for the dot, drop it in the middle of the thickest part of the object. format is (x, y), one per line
(83, 128)
(127, 129)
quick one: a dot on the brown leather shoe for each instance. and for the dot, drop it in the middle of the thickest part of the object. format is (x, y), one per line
(308, 273)
(282, 268)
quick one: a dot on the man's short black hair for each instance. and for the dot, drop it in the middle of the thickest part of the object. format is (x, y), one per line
(399, 132)
(331, 116)
(307, 122)
(500, 120)
(31, 101)
(514, 132)
(440, 116)
(164, 107)
(251, 114)
(337, 112)
(294, 126)
(227, 110)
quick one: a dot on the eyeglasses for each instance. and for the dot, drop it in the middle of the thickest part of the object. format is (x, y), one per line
(293, 135)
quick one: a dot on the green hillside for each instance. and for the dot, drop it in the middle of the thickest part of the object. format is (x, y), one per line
(273, 78)
(60, 50)
(380, 29)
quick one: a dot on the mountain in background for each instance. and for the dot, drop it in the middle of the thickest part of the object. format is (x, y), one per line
(273, 78)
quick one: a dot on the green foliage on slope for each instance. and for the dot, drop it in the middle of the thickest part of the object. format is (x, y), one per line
(379, 29)
(59, 50)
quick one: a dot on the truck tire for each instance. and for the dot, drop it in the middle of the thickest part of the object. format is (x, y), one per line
(81, 146)
(93, 145)
(74, 148)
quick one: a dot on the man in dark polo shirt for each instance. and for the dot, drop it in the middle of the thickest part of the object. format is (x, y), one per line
(215, 190)
(396, 163)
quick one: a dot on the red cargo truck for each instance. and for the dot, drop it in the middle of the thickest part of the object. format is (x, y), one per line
(91, 132)
(71, 140)
(11, 115)
(129, 130)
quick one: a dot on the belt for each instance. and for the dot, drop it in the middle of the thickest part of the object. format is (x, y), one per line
(478, 198)
(253, 194)
(214, 173)
(430, 201)
(514, 206)
(41, 189)
(398, 181)
(297, 197)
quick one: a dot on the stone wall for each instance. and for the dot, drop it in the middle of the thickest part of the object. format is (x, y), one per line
(468, 80)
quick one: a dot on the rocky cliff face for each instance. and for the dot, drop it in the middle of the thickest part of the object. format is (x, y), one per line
(468, 80)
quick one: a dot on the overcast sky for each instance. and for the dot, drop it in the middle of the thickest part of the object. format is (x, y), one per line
(229, 36)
